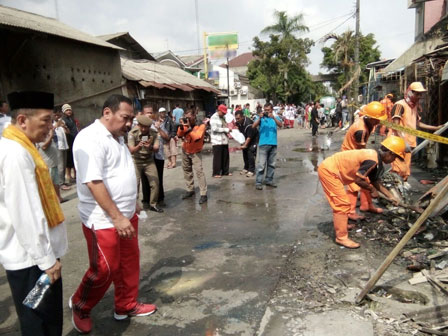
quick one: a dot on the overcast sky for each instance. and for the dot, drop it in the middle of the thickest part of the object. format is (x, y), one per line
(159, 25)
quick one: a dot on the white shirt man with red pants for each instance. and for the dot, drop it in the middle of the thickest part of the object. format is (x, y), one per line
(107, 191)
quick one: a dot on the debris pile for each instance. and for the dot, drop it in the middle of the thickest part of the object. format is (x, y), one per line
(397, 187)
(431, 320)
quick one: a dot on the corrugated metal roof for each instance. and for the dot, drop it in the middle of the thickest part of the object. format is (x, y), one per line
(191, 59)
(108, 37)
(149, 73)
(126, 41)
(415, 51)
(240, 60)
(16, 18)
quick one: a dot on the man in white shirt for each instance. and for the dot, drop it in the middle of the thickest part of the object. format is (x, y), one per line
(60, 129)
(220, 142)
(107, 191)
(32, 230)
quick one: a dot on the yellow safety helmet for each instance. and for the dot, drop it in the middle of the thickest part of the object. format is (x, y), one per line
(395, 144)
(417, 87)
(374, 110)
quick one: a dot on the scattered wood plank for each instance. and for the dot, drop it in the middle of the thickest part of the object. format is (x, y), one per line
(418, 278)
(390, 258)
(432, 331)
(438, 254)
(435, 282)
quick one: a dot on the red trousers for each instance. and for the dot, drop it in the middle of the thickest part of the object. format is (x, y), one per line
(111, 259)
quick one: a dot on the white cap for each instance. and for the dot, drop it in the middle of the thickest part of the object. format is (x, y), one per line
(162, 109)
(66, 107)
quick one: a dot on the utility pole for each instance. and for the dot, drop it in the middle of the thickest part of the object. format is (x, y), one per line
(205, 56)
(197, 26)
(228, 79)
(356, 81)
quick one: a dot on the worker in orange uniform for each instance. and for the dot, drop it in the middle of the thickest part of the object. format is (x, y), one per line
(405, 113)
(356, 138)
(387, 103)
(363, 167)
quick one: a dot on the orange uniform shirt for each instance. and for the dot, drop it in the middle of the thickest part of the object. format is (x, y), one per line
(356, 136)
(348, 165)
(193, 140)
(408, 118)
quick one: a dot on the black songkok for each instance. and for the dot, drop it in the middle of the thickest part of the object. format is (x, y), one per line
(31, 100)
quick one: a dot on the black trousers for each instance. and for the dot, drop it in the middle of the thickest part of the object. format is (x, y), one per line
(160, 165)
(221, 160)
(249, 155)
(314, 126)
(146, 190)
(47, 318)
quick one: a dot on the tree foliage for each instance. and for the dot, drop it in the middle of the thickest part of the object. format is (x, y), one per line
(279, 67)
(339, 57)
(286, 27)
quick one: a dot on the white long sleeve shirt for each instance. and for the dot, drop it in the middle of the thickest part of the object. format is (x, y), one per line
(25, 238)
(218, 130)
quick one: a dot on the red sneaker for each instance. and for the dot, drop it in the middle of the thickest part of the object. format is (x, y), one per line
(141, 309)
(81, 321)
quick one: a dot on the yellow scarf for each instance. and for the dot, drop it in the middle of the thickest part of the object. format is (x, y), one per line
(47, 193)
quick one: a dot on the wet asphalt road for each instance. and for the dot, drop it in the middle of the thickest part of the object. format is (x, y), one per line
(210, 268)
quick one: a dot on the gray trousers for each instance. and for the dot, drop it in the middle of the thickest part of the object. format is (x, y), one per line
(192, 162)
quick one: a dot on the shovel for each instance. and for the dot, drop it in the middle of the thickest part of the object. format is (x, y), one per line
(402, 205)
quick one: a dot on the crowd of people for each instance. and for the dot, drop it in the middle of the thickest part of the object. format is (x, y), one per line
(43, 149)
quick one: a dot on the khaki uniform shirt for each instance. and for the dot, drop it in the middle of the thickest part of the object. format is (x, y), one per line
(143, 155)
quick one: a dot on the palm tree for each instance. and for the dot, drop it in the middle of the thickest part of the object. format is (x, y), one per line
(285, 26)
(343, 49)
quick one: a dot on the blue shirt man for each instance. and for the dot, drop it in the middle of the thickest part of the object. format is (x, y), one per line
(268, 131)
(267, 149)
(177, 114)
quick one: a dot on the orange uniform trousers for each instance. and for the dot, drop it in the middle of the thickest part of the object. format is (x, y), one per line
(334, 190)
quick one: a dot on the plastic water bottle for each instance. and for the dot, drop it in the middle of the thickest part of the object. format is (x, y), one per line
(36, 295)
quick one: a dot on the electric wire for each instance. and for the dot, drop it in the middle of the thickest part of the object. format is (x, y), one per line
(315, 27)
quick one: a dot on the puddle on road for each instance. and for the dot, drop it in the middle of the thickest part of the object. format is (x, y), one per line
(310, 165)
(208, 151)
(289, 159)
(175, 283)
(246, 204)
(208, 245)
(315, 145)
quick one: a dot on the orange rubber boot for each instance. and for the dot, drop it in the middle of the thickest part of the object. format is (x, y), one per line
(340, 221)
(353, 197)
(367, 204)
